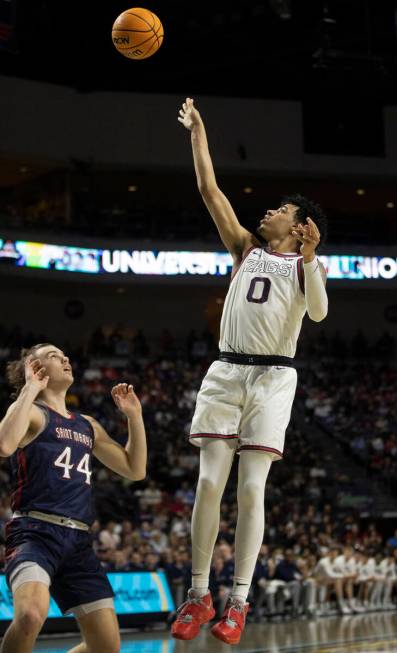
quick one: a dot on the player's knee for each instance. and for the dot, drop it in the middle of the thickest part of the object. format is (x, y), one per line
(29, 619)
(116, 646)
(250, 495)
(110, 647)
(208, 489)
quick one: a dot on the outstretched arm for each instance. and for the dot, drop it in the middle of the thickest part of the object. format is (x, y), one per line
(234, 236)
(130, 461)
(315, 275)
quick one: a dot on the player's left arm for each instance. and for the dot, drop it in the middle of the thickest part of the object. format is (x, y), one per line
(315, 277)
(129, 461)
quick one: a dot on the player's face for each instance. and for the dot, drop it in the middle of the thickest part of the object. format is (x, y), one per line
(277, 223)
(57, 365)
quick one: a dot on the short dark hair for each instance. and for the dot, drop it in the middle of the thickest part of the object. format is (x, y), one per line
(309, 209)
(15, 370)
(334, 547)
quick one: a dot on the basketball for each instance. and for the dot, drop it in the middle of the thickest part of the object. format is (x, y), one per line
(137, 33)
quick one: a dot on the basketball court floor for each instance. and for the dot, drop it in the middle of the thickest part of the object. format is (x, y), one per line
(367, 633)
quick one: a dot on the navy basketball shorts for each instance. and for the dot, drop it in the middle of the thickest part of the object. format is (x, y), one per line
(66, 554)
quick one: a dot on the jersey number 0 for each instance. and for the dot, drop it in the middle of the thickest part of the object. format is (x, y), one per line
(265, 284)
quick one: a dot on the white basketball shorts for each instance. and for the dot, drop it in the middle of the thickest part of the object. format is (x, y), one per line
(249, 403)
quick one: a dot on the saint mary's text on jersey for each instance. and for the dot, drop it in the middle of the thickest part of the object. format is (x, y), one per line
(68, 434)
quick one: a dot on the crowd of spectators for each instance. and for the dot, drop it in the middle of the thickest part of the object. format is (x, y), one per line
(354, 398)
(146, 525)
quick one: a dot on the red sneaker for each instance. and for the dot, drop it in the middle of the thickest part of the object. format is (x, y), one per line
(191, 615)
(230, 627)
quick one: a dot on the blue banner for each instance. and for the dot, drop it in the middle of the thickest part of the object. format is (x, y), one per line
(141, 592)
(135, 593)
(148, 646)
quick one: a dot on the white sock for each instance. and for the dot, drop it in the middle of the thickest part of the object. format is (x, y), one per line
(322, 593)
(216, 458)
(199, 592)
(253, 469)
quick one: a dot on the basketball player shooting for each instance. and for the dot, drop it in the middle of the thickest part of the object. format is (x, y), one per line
(244, 403)
(48, 544)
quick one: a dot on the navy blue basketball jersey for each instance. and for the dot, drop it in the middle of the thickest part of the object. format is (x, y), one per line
(52, 474)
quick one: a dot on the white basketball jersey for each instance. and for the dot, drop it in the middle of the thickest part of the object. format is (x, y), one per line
(388, 568)
(344, 566)
(265, 305)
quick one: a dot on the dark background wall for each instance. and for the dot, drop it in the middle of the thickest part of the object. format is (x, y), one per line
(142, 130)
(45, 306)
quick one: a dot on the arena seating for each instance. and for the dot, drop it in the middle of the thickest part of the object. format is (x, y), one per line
(352, 393)
(146, 525)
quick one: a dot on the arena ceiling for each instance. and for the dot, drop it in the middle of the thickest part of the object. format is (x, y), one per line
(275, 48)
(333, 55)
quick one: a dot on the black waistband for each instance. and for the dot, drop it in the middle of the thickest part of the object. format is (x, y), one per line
(255, 359)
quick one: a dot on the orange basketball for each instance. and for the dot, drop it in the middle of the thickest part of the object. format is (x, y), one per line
(137, 33)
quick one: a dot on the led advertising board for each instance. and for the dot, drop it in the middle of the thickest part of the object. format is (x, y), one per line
(130, 262)
(135, 593)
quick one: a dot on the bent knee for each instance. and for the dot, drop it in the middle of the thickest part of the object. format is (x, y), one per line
(29, 619)
(109, 644)
(113, 647)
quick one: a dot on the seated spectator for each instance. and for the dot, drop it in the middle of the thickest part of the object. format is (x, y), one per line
(328, 579)
(221, 583)
(109, 537)
(178, 574)
(285, 584)
(186, 494)
(392, 541)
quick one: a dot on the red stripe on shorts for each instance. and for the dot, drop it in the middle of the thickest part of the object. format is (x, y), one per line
(212, 435)
(257, 447)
